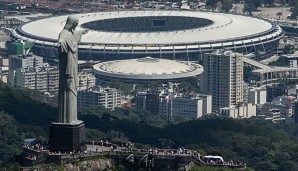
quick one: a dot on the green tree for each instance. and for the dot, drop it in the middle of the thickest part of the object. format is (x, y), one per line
(227, 5)
(294, 10)
(115, 136)
(165, 143)
(189, 85)
(95, 135)
(269, 2)
(280, 62)
(279, 14)
(261, 144)
(247, 73)
(126, 89)
(289, 49)
(211, 4)
(251, 5)
(11, 139)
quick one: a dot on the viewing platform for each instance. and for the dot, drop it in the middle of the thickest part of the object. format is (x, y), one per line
(146, 158)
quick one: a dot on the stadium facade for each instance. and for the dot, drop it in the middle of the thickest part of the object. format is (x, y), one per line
(182, 35)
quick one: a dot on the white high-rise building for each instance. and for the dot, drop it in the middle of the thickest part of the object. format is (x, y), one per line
(109, 98)
(172, 106)
(207, 103)
(187, 108)
(257, 95)
(223, 78)
(165, 107)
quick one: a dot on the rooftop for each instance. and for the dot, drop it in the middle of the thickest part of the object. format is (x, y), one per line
(147, 66)
(147, 69)
(233, 26)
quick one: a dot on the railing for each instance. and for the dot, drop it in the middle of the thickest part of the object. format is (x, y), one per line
(198, 160)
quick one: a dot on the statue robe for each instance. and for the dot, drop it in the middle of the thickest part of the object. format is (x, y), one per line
(68, 75)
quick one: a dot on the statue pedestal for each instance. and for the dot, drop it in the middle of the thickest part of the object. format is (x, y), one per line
(67, 137)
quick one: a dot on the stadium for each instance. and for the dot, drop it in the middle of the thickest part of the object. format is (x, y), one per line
(146, 69)
(183, 35)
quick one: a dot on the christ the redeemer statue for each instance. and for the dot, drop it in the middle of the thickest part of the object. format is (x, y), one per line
(68, 69)
(68, 134)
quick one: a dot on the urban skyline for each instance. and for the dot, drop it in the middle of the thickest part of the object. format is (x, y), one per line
(160, 84)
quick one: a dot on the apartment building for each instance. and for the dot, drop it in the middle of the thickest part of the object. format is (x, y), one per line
(223, 78)
(25, 61)
(109, 98)
(257, 95)
(43, 79)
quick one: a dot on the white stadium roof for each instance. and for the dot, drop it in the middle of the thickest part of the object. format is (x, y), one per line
(225, 27)
(147, 68)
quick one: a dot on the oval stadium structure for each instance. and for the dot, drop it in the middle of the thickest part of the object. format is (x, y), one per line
(182, 35)
(146, 69)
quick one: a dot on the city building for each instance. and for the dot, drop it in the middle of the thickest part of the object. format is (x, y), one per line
(4, 61)
(25, 61)
(28, 70)
(187, 108)
(257, 95)
(286, 106)
(245, 92)
(223, 78)
(245, 110)
(265, 109)
(4, 69)
(4, 72)
(43, 79)
(289, 101)
(290, 59)
(165, 107)
(170, 104)
(273, 115)
(140, 99)
(292, 90)
(53, 80)
(109, 98)
(18, 47)
(296, 112)
(270, 91)
(86, 81)
(207, 103)
(152, 101)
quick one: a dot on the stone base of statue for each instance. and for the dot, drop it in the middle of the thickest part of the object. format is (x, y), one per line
(67, 137)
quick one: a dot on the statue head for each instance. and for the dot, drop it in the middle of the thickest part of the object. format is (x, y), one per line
(71, 22)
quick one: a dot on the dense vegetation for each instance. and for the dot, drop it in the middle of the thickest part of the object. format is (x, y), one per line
(261, 144)
(280, 62)
(294, 8)
(225, 5)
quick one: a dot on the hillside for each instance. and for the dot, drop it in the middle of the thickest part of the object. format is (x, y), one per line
(261, 144)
